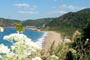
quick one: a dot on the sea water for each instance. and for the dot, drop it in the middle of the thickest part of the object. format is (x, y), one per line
(37, 37)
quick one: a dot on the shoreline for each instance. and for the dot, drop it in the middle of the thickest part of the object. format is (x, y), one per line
(46, 40)
(50, 38)
(40, 41)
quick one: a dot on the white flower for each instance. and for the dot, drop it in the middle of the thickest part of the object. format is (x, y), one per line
(28, 53)
(11, 55)
(4, 49)
(13, 47)
(32, 45)
(15, 36)
(54, 57)
(72, 50)
(23, 46)
(36, 58)
(7, 38)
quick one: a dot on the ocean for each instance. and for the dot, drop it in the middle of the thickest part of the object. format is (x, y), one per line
(37, 37)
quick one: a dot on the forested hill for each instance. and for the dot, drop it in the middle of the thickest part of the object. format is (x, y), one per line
(37, 22)
(8, 22)
(71, 21)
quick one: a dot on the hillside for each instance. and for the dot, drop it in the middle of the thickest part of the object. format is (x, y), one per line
(37, 22)
(8, 22)
(71, 21)
(68, 22)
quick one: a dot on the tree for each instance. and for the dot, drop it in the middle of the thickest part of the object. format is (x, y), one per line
(19, 27)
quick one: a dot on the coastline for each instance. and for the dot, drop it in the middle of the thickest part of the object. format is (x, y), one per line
(47, 38)
(50, 38)
(40, 41)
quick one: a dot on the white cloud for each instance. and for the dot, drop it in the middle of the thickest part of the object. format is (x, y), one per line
(62, 12)
(71, 7)
(58, 12)
(22, 5)
(68, 7)
(25, 5)
(28, 12)
(63, 9)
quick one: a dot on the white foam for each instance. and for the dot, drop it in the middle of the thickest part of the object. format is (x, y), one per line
(41, 40)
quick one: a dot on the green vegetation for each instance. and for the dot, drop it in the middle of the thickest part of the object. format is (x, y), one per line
(79, 49)
(67, 24)
(82, 44)
(37, 22)
(58, 52)
(8, 22)
(70, 22)
(19, 27)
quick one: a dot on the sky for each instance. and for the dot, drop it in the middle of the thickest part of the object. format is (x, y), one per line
(36, 9)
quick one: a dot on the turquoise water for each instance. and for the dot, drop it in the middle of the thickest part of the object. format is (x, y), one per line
(34, 35)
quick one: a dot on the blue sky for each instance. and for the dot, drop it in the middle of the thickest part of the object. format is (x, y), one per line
(35, 9)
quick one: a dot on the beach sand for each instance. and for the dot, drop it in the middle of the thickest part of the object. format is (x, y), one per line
(50, 38)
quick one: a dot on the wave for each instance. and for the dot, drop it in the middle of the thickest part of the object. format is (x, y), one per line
(41, 40)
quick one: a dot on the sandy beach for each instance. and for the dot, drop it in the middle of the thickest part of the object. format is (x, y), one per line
(52, 36)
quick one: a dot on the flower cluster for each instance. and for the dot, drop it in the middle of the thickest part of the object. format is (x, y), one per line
(54, 57)
(36, 58)
(15, 36)
(4, 49)
(72, 50)
(22, 48)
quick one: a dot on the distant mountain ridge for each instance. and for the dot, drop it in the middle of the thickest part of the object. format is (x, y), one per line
(8, 22)
(38, 22)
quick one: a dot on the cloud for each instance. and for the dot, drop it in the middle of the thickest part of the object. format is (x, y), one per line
(22, 5)
(68, 7)
(28, 12)
(60, 12)
(62, 9)
(71, 7)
